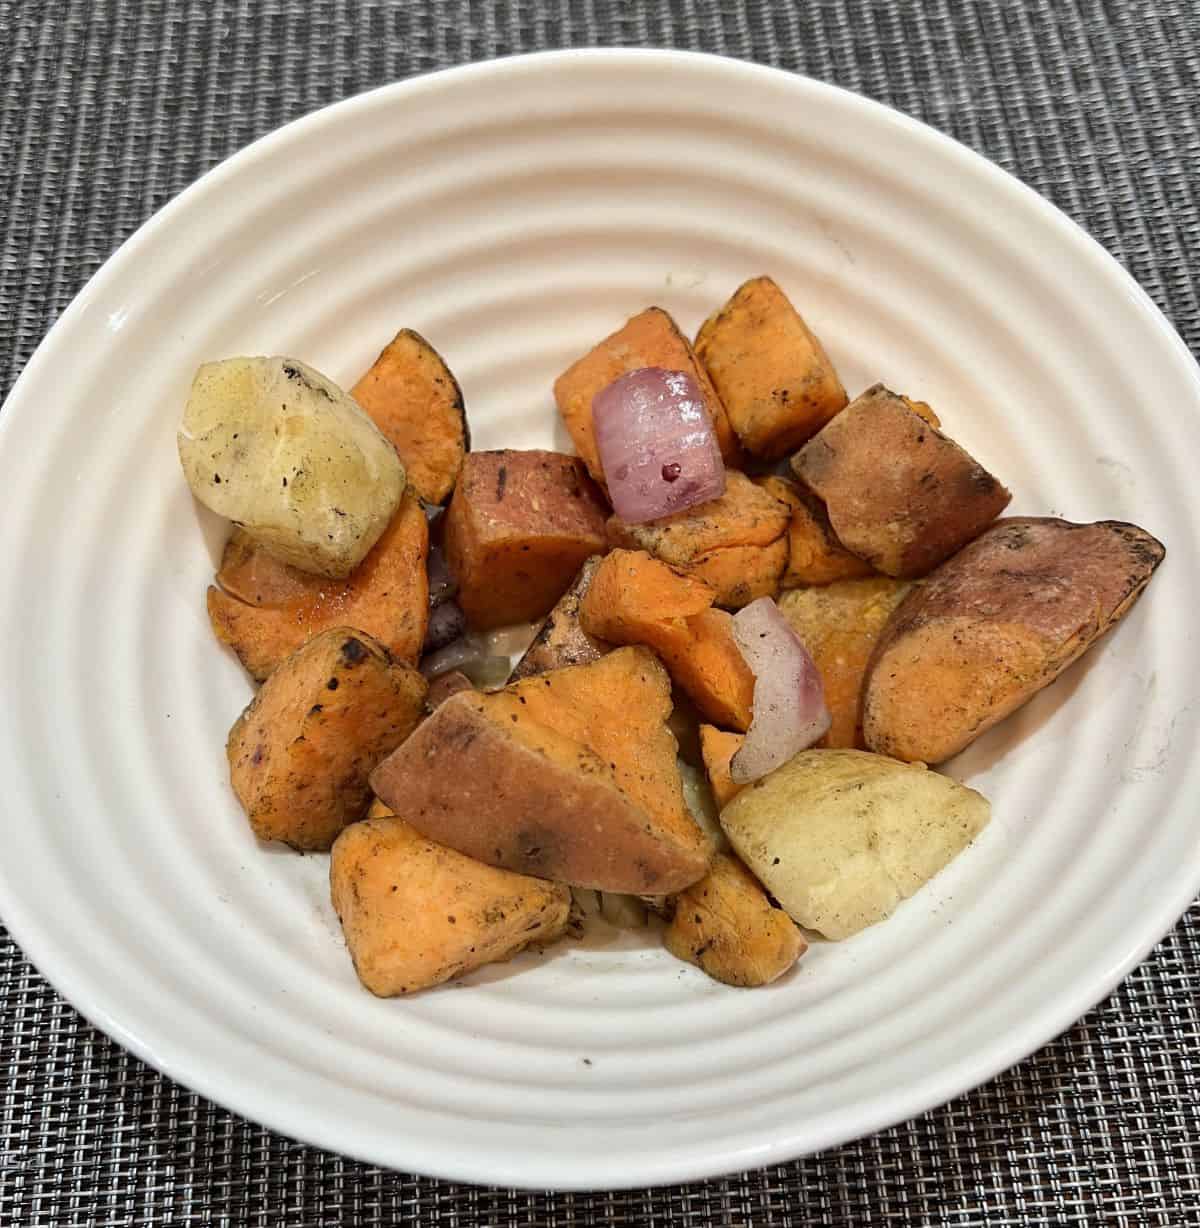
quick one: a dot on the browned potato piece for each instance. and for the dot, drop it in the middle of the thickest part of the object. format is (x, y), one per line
(569, 775)
(300, 754)
(815, 556)
(840, 624)
(899, 493)
(772, 375)
(649, 339)
(518, 529)
(718, 747)
(418, 405)
(994, 625)
(416, 914)
(560, 639)
(265, 609)
(727, 927)
(736, 544)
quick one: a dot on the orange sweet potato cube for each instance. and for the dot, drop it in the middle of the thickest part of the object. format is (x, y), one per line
(519, 527)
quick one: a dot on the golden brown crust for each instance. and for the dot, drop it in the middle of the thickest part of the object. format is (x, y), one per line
(726, 925)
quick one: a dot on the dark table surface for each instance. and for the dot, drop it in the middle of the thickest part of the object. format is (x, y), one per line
(109, 107)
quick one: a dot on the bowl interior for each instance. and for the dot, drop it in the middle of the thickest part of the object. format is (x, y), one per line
(514, 213)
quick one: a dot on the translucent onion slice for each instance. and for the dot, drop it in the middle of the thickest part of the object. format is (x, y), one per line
(657, 444)
(789, 712)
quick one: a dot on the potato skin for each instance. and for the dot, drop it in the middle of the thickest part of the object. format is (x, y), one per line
(994, 625)
(416, 914)
(727, 927)
(300, 754)
(265, 610)
(519, 527)
(899, 493)
(415, 401)
(772, 375)
(560, 639)
(840, 837)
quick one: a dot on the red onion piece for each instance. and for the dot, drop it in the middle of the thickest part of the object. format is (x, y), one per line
(657, 444)
(789, 712)
(446, 623)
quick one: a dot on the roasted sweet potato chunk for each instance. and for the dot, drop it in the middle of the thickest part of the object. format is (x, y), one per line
(649, 339)
(560, 639)
(736, 544)
(772, 375)
(727, 927)
(300, 754)
(518, 529)
(718, 747)
(840, 624)
(994, 625)
(415, 401)
(265, 609)
(899, 493)
(815, 556)
(635, 599)
(416, 914)
(569, 775)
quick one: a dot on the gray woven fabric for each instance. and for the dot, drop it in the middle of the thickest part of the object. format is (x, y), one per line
(110, 107)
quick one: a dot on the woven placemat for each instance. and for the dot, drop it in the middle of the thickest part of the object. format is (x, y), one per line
(110, 107)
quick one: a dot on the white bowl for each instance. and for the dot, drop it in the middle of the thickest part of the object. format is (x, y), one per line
(515, 212)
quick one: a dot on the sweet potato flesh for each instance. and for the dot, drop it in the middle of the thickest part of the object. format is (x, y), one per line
(570, 775)
(265, 609)
(519, 527)
(772, 375)
(301, 753)
(727, 927)
(636, 599)
(717, 748)
(416, 914)
(840, 624)
(994, 625)
(736, 544)
(649, 339)
(418, 405)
